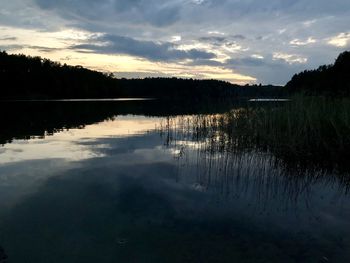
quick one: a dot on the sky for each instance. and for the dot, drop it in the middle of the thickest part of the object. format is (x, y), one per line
(250, 41)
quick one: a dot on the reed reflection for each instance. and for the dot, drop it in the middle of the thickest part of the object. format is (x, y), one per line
(226, 159)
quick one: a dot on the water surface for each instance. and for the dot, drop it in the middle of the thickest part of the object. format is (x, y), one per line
(126, 184)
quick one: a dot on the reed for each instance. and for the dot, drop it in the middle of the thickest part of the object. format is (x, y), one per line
(307, 129)
(266, 150)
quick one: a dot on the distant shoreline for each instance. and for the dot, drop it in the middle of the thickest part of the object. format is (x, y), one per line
(81, 100)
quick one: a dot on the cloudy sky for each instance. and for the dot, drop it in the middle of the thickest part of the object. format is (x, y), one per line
(241, 41)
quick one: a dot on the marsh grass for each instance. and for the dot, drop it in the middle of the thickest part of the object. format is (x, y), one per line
(307, 130)
(230, 156)
(312, 132)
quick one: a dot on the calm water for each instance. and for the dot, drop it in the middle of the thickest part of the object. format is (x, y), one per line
(133, 182)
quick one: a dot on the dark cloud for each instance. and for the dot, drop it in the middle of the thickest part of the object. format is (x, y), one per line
(8, 38)
(274, 7)
(240, 37)
(145, 49)
(222, 40)
(246, 61)
(44, 49)
(266, 70)
(154, 12)
(11, 47)
(212, 39)
(18, 47)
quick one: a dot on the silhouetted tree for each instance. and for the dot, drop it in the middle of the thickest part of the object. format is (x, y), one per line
(333, 80)
(25, 77)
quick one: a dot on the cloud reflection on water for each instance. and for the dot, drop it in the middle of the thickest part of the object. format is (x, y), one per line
(135, 199)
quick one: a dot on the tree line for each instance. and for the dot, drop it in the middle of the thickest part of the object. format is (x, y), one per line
(329, 80)
(26, 77)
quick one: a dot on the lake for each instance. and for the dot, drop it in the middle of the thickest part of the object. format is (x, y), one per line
(145, 181)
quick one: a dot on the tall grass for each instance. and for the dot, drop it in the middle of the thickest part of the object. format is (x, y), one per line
(271, 150)
(307, 129)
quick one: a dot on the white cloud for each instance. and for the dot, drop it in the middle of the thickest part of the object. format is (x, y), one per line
(282, 31)
(198, 2)
(289, 58)
(257, 56)
(341, 40)
(309, 23)
(298, 42)
(176, 38)
(216, 33)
